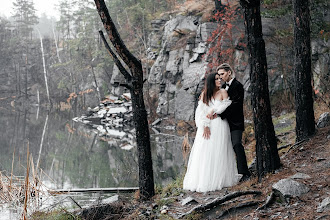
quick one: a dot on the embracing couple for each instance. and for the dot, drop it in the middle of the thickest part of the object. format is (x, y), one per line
(220, 123)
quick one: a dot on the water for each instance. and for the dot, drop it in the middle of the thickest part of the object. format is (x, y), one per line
(72, 155)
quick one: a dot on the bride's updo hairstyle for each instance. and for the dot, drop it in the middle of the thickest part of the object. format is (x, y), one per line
(209, 88)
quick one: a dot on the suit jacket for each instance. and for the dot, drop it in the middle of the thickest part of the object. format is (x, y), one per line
(234, 112)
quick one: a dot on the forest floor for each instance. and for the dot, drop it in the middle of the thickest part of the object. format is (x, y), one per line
(310, 157)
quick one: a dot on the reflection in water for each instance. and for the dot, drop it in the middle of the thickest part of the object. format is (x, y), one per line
(71, 155)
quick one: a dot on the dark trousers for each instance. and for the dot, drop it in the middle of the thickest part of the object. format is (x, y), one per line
(236, 139)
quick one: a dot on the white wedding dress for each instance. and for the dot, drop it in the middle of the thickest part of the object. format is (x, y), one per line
(212, 162)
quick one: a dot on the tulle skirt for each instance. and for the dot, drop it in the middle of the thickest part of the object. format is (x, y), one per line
(212, 162)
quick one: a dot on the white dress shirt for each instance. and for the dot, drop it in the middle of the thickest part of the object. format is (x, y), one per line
(229, 83)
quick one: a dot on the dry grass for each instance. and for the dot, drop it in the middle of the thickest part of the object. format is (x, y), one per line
(22, 194)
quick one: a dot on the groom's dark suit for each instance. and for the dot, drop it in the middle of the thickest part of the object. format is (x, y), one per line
(235, 117)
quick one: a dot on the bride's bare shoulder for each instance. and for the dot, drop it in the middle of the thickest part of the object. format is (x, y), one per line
(218, 95)
(224, 93)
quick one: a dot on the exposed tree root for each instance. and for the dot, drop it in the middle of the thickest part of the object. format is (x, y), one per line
(268, 202)
(218, 201)
(239, 206)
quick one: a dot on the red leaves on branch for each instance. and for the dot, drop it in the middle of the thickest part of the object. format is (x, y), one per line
(222, 40)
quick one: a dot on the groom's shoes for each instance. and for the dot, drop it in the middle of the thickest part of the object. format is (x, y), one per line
(244, 178)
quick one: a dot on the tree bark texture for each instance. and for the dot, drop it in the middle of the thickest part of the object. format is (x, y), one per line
(266, 147)
(305, 122)
(134, 81)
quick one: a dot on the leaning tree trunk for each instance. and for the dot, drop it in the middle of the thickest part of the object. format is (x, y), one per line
(305, 124)
(135, 85)
(266, 147)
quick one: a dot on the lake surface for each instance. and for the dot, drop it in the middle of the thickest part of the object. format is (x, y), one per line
(72, 155)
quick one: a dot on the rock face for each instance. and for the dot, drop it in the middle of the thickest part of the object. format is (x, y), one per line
(286, 188)
(179, 48)
(178, 68)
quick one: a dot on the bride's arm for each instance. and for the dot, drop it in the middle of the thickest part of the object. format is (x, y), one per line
(200, 115)
(220, 106)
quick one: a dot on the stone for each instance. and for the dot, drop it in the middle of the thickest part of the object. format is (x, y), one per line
(324, 206)
(324, 120)
(286, 188)
(111, 199)
(163, 211)
(157, 121)
(205, 30)
(300, 176)
(188, 201)
(117, 110)
(184, 103)
(180, 22)
(174, 60)
(193, 74)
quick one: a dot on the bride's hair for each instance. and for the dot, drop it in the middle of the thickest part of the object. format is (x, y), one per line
(209, 88)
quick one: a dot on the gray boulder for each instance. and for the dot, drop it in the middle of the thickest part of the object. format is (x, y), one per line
(324, 205)
(286, 188)
(324, 120)
(300, 176)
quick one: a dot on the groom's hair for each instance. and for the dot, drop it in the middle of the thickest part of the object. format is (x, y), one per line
(226, 67)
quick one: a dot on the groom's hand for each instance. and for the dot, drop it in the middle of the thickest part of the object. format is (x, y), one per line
(212, 116)
(206, 133)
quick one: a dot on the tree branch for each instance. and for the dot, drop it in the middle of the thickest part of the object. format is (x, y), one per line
(218, 201)
(130, 60)
(121, 68)
(233, 210)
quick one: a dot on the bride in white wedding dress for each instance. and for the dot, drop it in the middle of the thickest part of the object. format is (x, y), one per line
(212, 162)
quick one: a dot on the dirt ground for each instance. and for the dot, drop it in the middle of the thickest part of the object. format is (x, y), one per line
(310, 157)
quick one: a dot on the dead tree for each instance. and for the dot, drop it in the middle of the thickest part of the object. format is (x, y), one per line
(305, 122)
(134, 82)
(266, 146)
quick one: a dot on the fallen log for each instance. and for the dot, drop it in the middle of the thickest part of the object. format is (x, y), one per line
(89, 190)
(218, 201)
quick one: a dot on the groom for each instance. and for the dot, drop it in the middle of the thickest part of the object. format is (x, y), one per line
(234, 115)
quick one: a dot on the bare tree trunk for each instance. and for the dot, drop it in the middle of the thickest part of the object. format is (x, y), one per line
(44, 65)
(305, 121)
(55, 39)
(266, 147)
(96, 85)
(41, 143)
(26, 77)
(135, 85)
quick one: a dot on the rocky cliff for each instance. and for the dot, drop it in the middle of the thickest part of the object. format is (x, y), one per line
(179, 46)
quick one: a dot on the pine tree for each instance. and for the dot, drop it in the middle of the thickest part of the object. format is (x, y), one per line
(305, 122)
(25, 17)
(266, 146)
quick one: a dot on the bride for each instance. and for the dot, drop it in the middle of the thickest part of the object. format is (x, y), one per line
(212, 163)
